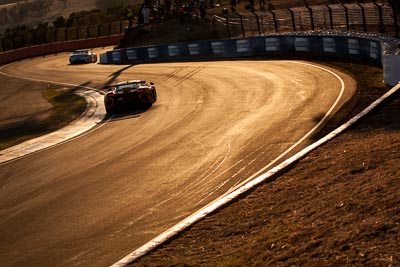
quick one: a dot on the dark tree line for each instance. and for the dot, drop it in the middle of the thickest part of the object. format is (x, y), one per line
(76, 19)
(106, 11)
(5, 2)
(22, 10)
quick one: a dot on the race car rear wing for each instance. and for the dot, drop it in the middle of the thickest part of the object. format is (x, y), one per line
(108, 87)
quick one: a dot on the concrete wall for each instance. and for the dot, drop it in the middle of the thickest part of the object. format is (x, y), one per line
(45, 49)
(391, 66)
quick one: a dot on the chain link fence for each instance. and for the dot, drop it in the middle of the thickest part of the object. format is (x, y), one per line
(372, 17)
(361, 17)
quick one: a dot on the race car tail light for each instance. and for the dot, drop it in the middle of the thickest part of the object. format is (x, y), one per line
(140, 91)
(111, 94)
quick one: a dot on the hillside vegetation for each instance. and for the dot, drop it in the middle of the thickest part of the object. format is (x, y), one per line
(36, 12)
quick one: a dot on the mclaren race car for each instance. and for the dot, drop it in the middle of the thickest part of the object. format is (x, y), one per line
(82, 56)
(129, 94)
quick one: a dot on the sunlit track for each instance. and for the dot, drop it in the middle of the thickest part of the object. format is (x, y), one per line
(93, 200)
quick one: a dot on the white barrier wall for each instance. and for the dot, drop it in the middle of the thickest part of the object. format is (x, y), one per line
(103, 59)
(391, 67)
(374, 49)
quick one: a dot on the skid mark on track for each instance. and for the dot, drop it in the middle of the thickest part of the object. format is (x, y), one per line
(193, 184)
(180, 79)
(173, 73)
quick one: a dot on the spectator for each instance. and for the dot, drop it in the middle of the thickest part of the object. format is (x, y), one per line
(202, 10)
(181, 13)
(168, 7)
(146, 17)
(233, 5)
(140, 16)
(202, 2)
(129, 14)
(262, 4)
(251, 5)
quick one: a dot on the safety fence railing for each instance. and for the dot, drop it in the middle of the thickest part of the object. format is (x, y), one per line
(42, 35)
(360, 17)
(372, 17)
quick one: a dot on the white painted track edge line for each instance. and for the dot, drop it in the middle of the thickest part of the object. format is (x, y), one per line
(218, 203)
(327, 114)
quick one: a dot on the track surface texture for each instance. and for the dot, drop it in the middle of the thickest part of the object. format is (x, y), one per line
(339, 206)
(93, 200)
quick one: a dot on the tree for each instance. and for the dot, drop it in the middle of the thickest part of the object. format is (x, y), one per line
(395, 4)
(59, 22)
(64, 2)
(105, 4)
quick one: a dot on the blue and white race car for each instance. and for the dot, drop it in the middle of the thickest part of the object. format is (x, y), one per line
(82, 56)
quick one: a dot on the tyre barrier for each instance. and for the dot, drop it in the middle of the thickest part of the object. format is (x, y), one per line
(378, 50)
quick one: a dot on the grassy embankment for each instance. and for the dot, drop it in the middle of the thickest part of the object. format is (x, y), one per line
(66, 107)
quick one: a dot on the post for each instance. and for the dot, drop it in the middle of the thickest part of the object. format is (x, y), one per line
(380, 16)
(258, 23)
(311, 16)
(214, 29)
(274, 18)
(241, 24)
(293, 21)
(363, 17)
(395, 10)
(3, 44)
(227, 28)
(346, 13)
(330, 16)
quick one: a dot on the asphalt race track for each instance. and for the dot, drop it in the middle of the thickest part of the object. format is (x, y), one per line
(91, 201)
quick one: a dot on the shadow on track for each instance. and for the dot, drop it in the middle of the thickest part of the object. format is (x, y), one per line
(114, 76)
(126, 113)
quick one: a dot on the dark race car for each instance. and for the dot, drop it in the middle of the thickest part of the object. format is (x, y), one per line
(82, 56)
(129, 94)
